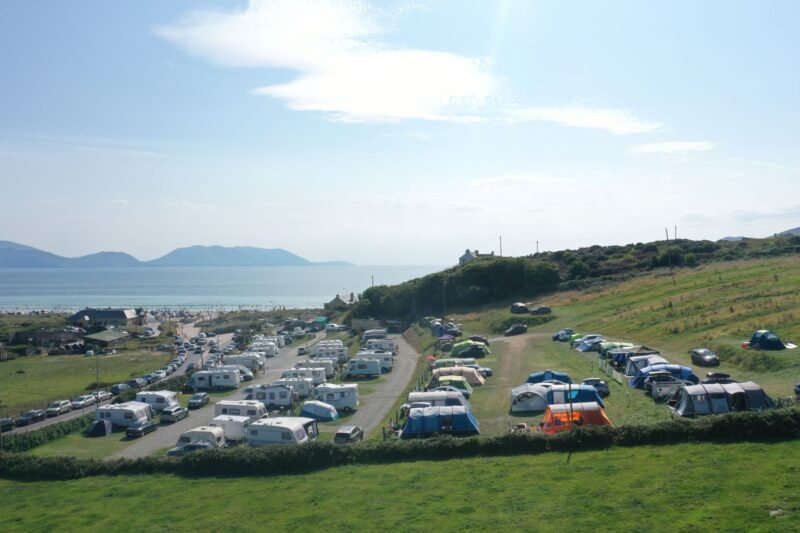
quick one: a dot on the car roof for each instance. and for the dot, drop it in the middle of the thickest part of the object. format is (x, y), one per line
(347, 429)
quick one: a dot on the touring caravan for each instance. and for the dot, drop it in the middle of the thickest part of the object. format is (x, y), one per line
(214, 379)
(124, 414)
(245, 374)
(386, 358)
(234, 427)
(275, 396)
(282, 430)
(343, 397)
(373, 334)
(316, 374)
(158, 400)
(249, 408)
(251, 360)
(363, 368)
(385, 345)
(303, 387)
(472, 376)
(328, 364)
(212, 435)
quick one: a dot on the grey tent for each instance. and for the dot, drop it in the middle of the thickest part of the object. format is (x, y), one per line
(99, 428)
(764, 339)
(718, 398)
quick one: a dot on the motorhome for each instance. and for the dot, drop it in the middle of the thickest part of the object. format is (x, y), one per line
(343, 397)
(363, 368)
(212, 435)
(234, 427)
(386, 345)
(316, 374)
(249, 408)
(335, 349)
(273, 396)
(302, 386)
(282, 430)
(268, 348)
(386, 358)
(373, 334)
(214, 379)
(158, 400)
(124, 414)
(328, 364)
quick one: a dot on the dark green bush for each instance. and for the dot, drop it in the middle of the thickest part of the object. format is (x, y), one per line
(22, 442)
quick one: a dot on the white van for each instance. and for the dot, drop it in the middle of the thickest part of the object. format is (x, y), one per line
(359, 367)
(275, 396)
(124, 414)
(213, 435)
(302, 386)
(249, 408)
(234, 427)
(343, 397)
(158, 400)
(282, 430)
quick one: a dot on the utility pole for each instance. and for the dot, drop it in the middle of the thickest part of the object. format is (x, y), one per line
(669, 259)
(444, 297)
(373, 281)
(537, 247)
(501, 246)
(97, 380)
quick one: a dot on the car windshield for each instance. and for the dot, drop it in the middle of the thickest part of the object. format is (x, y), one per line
(55, 404)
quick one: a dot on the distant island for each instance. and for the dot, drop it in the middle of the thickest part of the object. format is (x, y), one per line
(14, 255)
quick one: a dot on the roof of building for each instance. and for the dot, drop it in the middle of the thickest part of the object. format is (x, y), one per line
(109, 335)
(104, 314)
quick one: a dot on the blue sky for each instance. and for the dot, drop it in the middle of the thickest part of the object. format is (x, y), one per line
(395, 132)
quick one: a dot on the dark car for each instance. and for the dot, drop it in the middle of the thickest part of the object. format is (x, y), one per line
(348, 434)
(6, 424)
(602, 387)
(473, 351)
(563, 335)
(717, 377)
(478, 338)
(198, 400)
(136, 383)
(516, 329)
(704, 357)
(302, 350)
(189, 447)
(484, 371)
(141, 428)
(30, 417)
(541, 310)
(119, 387)
(519, 309)
(174, 413)
(797, 390)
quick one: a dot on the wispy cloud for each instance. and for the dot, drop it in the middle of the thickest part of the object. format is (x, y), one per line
(121, 202)
(517, 180)
(672, 147)
(617, 121)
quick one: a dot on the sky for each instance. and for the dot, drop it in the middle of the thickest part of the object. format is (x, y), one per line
(395, 132)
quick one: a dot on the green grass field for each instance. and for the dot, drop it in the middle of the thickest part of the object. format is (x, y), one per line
(687, 487)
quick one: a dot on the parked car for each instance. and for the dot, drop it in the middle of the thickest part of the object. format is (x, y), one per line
(174, 414)
(484, 371)
(191, 366)
(348, 434)
(59, 407)
(704, 357)
(474, 351)
(717, 377)
(660, 377)
(141, 428)
(797, 390)
(198, 350)
(602, 387)
(159, 374)
(136, 383)
(516, 329)
(30, 417)
(541, 310)
(563, 335)
(119, 388)
(83, 401)
(189, 447)
(519, 309)
(6, 424)
(478, 338)
(101, 395)
(302, 350)
(198, 400)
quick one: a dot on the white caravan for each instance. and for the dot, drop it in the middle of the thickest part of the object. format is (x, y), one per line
(386, 358)
(328, 364)
(302, 386)
(343, 397)
(317, 374)
(360, 367)
(249, 408)
(245, 374)
(124, 414)
(273, 396)
(251, 360)
(159, 399)
(214, 379)
(386, 345)
(234, 427)
(212, 435)
(282, 430)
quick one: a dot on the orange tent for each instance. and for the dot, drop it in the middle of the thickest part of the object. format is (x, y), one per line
(563, 417)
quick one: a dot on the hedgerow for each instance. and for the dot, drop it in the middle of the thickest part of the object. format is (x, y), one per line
(22, 442)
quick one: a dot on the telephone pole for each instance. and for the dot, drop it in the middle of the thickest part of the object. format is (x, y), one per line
(537, 247)
(501, 246)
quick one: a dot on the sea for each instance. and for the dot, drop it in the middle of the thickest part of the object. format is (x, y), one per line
(212, 288)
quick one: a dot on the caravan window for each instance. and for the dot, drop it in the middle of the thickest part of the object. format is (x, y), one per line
(298, 435)
(230, 411)
(284, 395)
(251, 412)
(262, 396)
(226, 376)
(330, 396)
(128, 415)
(254, 433)
(201, 378)
(159, 400)
(286, 435)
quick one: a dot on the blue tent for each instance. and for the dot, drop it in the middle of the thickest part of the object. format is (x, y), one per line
(319, 411)
(549, 375)
(679, 371)
(440, 420)
(558, 394)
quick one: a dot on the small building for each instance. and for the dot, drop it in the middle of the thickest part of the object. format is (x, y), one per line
(337, 304)
(106, 339)
(45, 338)
(120, 318)
(359, 325)
(470, 255)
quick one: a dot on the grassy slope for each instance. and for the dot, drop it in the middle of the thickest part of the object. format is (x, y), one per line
(608, 490)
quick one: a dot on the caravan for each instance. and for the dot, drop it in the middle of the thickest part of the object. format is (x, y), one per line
(251, 360)
(282, 430)
(234, 427)
(384, 345)
(124, 414)
(212, 435)
(316, 374)
(359, 368)
(386, 358)
(302, 386)
(214, 379)
(245, 374)
(328, 364)
(343, 397)
(249, 408)
(158, 400)
(275, 396)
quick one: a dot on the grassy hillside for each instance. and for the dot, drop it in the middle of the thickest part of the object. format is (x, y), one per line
(620, 489)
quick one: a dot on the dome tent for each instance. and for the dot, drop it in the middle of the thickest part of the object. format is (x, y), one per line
(764, 339)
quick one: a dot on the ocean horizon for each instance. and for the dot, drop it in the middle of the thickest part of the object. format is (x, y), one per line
(68, 289)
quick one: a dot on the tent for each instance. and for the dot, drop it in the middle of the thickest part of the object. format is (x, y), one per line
(620, 356)
(319, 411)
(536, 397)
(563, 417)
(99, 428)
(472, 376)
(439, 420)
(638, 362)
(457, 382)
(717, 398)
(679, 371)
(607, 346)
(549, 375)
(766, 340)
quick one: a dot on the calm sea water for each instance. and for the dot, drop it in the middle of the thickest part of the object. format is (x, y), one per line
(198, 287)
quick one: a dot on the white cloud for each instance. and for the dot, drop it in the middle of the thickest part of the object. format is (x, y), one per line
(672, 147)
(617, 121)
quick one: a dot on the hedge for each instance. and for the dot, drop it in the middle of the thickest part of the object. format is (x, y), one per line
(22, 442)
(778, 424)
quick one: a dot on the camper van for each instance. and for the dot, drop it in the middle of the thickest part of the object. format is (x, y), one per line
(233, 427)
(213, 435)
(272, 396)
(249, 408)
(282, 430)
(302, 386)
(316, 374)
(158, 400)
(328, 364)
(343, 397)
(214, 379)
(385, 345)
(386, 358)
(124, 414)
(359, 368)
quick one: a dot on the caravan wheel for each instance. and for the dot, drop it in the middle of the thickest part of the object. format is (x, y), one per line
(347, 409)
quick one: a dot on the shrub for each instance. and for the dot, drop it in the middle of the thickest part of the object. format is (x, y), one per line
(22, 442)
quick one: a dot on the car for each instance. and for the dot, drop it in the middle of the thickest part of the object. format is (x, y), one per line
(174, 413)
(83, 401)
(474, 351)
(198, 400)
(211, 334)
(515, 329)
(797, 390)
(141, 428)
(563, 335)
(189, 447)
(168, 369)
(302, 350)
(198, 350)
(519, 309)
(717, 377)
(30, 417)
(484, 371)
(348, 434)
(101, 395)
(704, 357)
(6, 424)
(191, 366)
(541, 310)
(59, 407)
(136, 383)
(660, 377)
(159, 374)
(119, 387)
(602, 387)
(478, 338)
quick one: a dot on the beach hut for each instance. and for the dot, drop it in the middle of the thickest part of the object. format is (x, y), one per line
(428, 421)
(679, 371)
(549, 375)
(472, 376)
(565, 417)
(319, 411)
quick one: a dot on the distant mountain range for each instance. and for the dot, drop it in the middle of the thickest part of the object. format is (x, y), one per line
(14, 255)
(794, 231)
